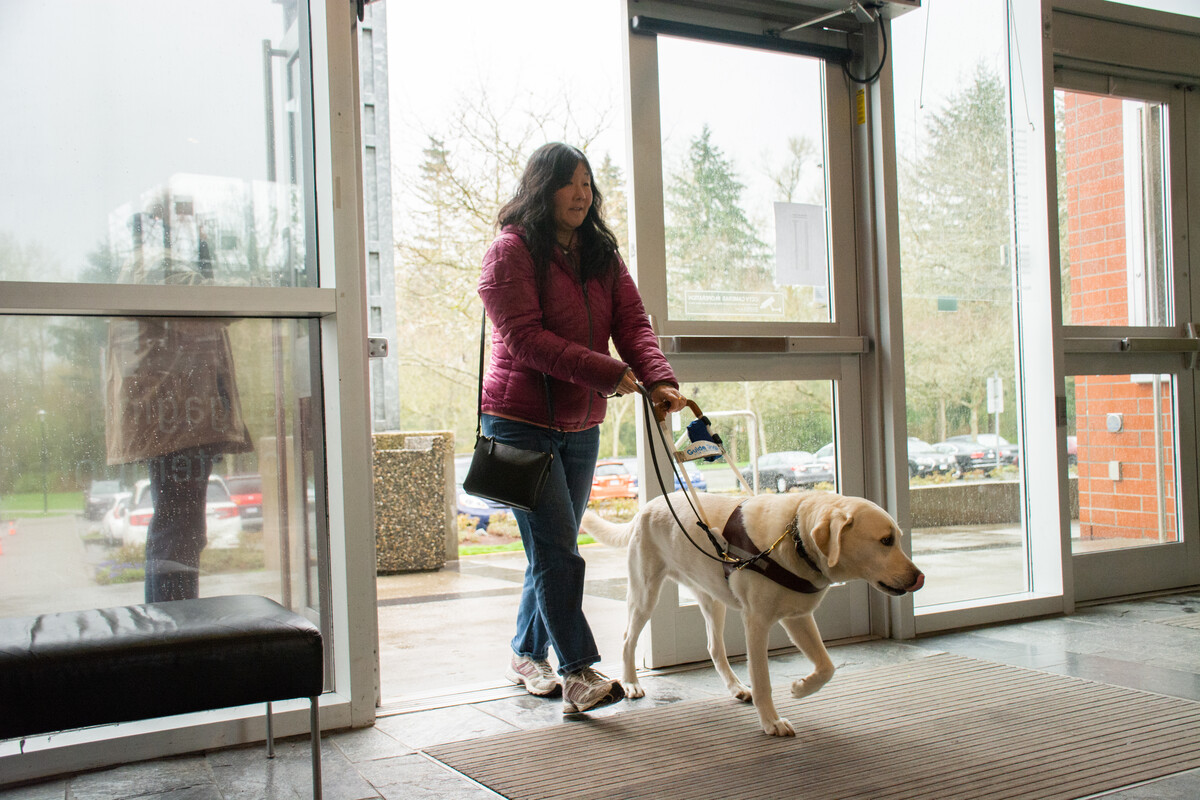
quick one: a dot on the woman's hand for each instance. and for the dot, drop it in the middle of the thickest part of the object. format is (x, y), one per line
(627, 385)
(667, 396)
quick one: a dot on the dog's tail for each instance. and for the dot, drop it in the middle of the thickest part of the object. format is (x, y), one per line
(605, 532)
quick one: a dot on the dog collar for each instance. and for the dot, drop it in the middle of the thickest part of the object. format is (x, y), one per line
(794, 530)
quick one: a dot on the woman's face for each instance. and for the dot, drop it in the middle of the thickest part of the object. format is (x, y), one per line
(572, 203)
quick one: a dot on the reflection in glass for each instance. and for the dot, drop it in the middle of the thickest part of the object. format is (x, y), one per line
(1113, 211)
(743, 184)
(193, 139)
(77, 510)
(1122, 446)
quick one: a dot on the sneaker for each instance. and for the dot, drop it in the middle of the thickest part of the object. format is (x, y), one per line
(537, 675)
(589, 689)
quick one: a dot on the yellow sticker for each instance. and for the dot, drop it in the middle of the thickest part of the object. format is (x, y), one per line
(860, 101)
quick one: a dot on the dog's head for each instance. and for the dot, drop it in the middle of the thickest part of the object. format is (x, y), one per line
(861, 540)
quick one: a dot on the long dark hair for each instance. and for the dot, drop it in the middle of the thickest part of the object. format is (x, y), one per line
(550, 168)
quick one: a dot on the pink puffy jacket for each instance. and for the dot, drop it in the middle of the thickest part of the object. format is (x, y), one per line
(567, 338)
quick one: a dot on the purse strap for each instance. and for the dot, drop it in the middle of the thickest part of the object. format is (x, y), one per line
(479, 394)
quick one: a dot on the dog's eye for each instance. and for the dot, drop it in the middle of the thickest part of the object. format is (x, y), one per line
(888, 540)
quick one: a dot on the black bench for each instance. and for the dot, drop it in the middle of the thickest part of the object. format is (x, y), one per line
(102, 666)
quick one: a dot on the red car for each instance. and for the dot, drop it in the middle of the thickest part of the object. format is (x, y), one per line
(246, 491)
(613, 479)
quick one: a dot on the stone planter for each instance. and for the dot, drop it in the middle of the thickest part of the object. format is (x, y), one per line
(414, 501)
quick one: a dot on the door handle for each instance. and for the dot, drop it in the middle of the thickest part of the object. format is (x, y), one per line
(813, 345)
(1189, 345)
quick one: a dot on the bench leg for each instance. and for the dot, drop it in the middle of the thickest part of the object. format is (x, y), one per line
(314, 723)
(270, 733)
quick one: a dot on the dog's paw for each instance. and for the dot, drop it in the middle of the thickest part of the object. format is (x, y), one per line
(633, 689)
(810, 685)
(742, 692)
(780, 727)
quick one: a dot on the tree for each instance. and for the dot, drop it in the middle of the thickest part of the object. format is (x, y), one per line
(447, 209)
(955, 236)
(786, 177)
(711, 243)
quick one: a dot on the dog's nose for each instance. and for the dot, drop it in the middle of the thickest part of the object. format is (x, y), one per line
(918, 583)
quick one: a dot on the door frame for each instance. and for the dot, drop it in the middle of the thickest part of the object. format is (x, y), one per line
(860, 350)
(1105, 48)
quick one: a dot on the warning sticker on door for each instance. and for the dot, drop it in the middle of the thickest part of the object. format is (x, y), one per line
(725, 304)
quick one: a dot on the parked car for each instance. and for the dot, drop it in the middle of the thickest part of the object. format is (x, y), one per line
(970, 455)
(1008, 451)
(99, 498)
(468, 504)
(628, 475)
(788, 469)
(613, 478)
(924, 459)
(115, 520)
(222, 517)
(246, 491)
(699, 482)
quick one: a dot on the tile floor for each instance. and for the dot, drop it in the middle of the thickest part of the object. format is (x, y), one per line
(1149, 644)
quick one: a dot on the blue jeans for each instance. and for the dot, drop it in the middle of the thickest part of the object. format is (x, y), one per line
(551, 609)
(178, 530)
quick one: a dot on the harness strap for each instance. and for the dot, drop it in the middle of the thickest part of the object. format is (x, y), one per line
(742, 546)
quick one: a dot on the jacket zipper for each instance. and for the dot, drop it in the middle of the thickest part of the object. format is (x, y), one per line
(591, 338)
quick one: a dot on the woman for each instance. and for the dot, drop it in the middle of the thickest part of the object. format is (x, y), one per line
(556, 291)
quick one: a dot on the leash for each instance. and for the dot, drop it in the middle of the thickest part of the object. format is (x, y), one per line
(722, 553)
(740, 552)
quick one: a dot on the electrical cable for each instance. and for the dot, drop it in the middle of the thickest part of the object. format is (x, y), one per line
(874, 76)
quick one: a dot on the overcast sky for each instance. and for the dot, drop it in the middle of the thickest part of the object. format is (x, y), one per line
(96, 111)
(103, 99)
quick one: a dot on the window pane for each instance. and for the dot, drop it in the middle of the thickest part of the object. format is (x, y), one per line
(1114, 247)
(164, 150)
(955, 189)
(786, 428)
(743, 184)
(1122, 449)
(110, 423)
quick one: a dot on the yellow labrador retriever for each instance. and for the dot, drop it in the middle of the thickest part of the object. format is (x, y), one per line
(821, 538)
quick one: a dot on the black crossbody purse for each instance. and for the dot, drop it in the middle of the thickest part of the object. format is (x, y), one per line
(500, 472)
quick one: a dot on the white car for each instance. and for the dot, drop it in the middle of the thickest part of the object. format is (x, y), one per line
(113, 523)
(222, 516)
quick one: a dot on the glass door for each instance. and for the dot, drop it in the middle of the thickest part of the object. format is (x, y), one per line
(1128, 313)
(743, 242)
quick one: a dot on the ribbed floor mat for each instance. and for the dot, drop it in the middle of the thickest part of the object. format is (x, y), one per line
(943, 727)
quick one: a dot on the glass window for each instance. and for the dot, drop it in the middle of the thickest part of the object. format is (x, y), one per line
(1113, 210)
(954, 188)
(111, 423)
(743, 184)
(1121, 452)
(784, 428)
(164, 150)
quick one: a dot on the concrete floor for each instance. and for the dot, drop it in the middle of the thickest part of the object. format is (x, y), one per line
(1122, 644)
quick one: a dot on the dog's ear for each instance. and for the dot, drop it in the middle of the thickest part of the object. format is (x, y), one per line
(828, 534)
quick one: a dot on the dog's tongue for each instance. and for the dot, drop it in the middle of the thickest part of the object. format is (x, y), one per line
(919, 582)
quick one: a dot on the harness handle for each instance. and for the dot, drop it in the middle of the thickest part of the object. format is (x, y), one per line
(723, 556)
(660, 411)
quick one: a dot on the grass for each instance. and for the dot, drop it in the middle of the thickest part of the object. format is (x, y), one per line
(502, 535)
(128, 562)
(29, 504)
